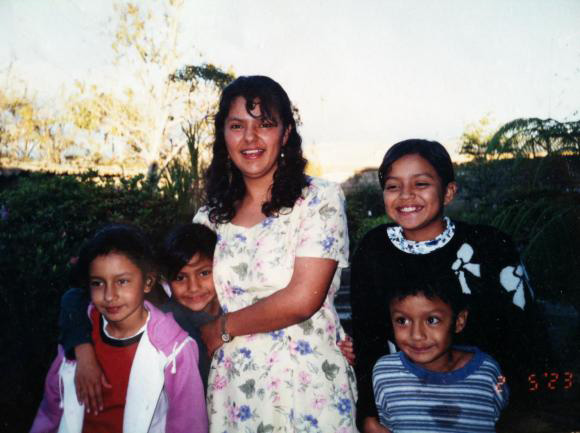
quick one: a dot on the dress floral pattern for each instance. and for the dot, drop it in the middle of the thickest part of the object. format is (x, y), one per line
(294, 379)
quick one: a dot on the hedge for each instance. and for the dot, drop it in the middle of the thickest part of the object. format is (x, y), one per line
(43, 220)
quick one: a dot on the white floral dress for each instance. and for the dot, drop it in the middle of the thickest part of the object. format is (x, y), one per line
(294, 379)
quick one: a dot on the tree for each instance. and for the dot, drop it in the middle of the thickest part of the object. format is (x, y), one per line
(536, 137)
(164, 109)
(475, 139)
(146, 43)
(205, 83)
(27, 132)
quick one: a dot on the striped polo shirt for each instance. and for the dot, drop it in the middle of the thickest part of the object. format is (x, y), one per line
(411, 399)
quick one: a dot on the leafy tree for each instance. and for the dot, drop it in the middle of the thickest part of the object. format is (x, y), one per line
(150, 121)
(536, 137)
(475, 139)
(145, 42)
(27, 132)
(182, 175)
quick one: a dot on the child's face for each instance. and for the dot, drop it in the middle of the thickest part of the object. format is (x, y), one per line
(118, 289)
(414, 197)
(193, 286)
(424, 330)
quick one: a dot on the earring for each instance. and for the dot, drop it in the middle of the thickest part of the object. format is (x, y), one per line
(282, 155)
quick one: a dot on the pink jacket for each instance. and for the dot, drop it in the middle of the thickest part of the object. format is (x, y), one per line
(165, 392)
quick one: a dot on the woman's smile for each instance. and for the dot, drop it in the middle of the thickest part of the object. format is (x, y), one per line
(252, 153)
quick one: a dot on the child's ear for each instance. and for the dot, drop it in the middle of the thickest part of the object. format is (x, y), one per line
(450, 191)
(149, 282)
(461, 321)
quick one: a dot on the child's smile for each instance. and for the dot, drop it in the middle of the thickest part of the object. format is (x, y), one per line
(424, 331)
(193, 286)
(414, 197)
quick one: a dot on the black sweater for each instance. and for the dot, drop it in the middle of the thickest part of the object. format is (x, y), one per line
(507, 331)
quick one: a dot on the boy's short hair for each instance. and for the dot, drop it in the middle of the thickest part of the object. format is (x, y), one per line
(182, 243)
(125, 239)
(432, 151)
(445, 287)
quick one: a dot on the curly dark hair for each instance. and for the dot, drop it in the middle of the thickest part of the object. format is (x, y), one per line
(224, 181)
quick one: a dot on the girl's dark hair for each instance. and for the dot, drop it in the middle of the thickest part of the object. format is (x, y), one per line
(127, 240)
(224, 182)
(182, 243)
(432, 151)
(445, 286)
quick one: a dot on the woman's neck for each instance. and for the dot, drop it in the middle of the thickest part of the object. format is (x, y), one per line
(257, 190)
(249, 209)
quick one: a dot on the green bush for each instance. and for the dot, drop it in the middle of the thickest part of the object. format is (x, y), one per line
(364, 205)
(43, 220)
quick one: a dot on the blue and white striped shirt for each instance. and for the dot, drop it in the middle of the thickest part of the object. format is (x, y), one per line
(411, 399)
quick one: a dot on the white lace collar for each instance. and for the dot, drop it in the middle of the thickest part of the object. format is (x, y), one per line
(396, 236)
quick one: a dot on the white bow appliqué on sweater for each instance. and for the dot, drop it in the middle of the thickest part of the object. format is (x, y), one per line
(462, 264)
(512, 279)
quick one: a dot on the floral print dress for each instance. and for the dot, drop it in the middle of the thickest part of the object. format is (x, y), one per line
(294, 379)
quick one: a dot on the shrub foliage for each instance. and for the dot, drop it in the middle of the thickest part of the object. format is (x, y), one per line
(43, 220)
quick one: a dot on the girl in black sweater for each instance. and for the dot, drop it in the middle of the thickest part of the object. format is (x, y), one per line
(417, 179)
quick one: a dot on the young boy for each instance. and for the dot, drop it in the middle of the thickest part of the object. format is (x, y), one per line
(432, 385)
(187, 270)
(186, 262)
(149, 361)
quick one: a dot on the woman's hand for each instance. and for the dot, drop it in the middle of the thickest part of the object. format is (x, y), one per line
(89, 378)
(211, 336)
(347, 349)
(372, 425)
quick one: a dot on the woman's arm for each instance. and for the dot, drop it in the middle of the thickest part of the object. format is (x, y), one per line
(296, 303)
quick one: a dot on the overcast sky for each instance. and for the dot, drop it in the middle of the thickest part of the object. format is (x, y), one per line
(364, 73)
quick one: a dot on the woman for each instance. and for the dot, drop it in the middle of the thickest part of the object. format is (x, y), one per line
(281, 241)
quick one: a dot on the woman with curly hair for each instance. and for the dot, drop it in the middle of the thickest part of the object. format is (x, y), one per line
(282, 239)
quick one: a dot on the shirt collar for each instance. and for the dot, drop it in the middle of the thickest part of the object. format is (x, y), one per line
(395, 234)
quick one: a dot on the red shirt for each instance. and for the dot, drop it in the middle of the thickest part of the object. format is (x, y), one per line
(115, 358)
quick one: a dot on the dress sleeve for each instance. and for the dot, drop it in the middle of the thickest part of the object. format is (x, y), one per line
(369, 323)
(75, 325)
(187, 411)
(323, 231)
(202, 217)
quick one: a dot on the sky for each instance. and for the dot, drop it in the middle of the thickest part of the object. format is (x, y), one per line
(364, 74)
